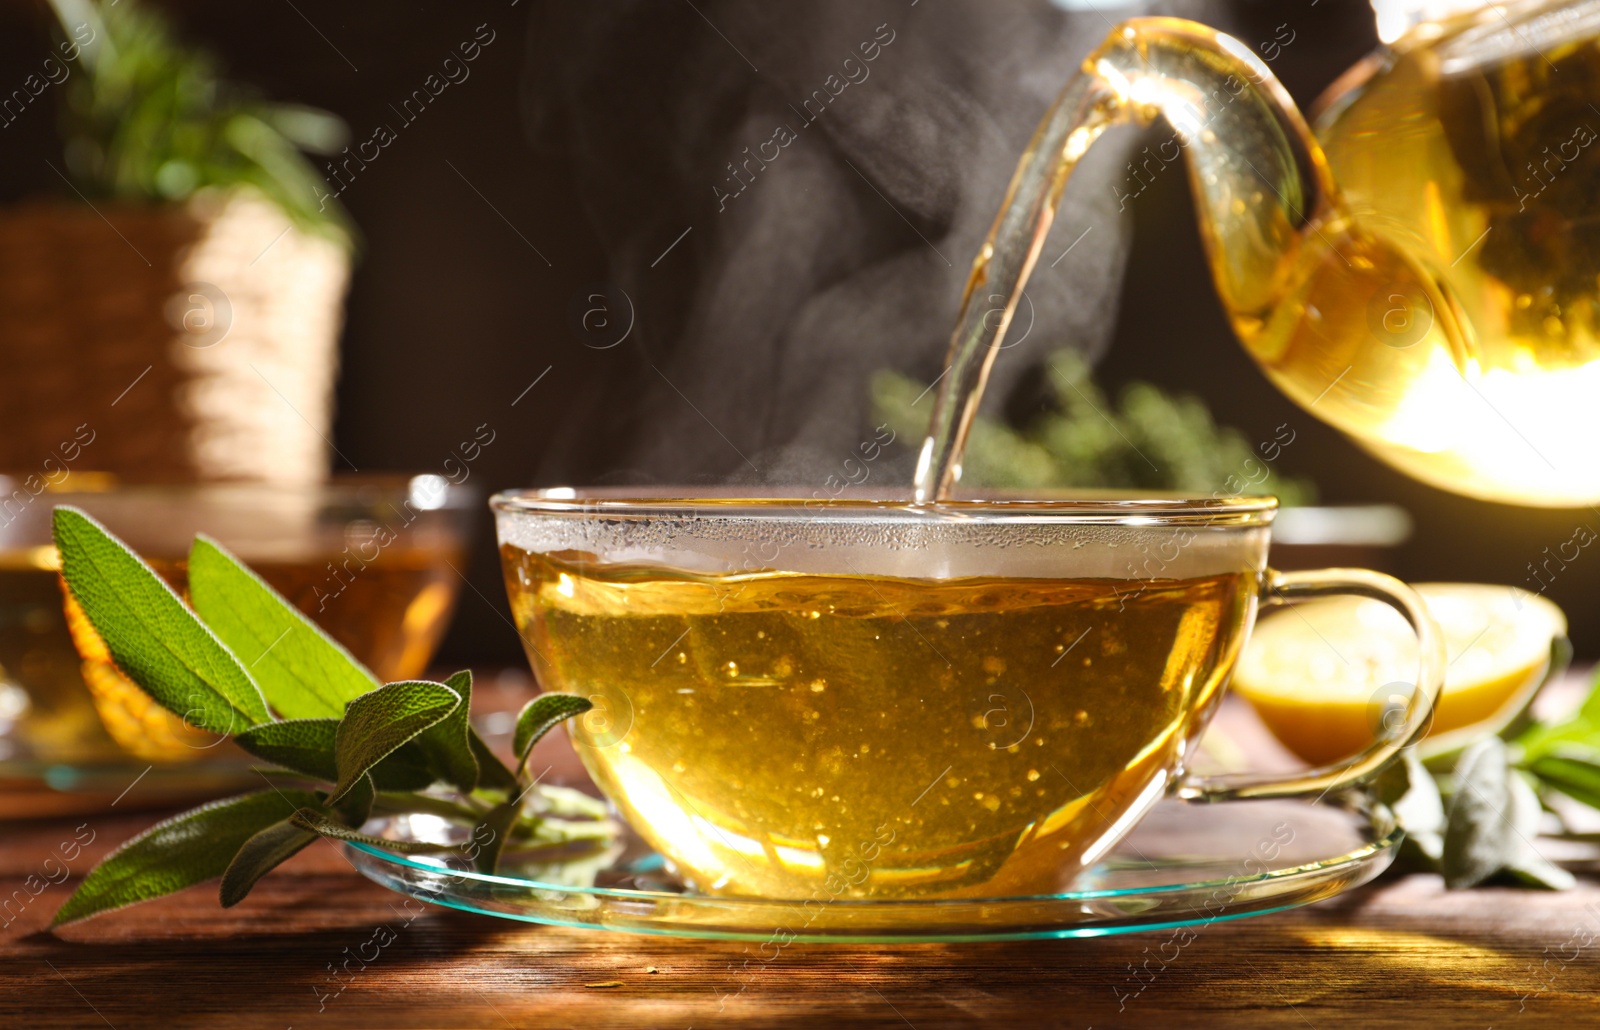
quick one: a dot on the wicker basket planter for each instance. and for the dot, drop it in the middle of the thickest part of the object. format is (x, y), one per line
(195, 341)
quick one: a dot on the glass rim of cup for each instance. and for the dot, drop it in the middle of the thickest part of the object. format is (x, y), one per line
(1146, 508)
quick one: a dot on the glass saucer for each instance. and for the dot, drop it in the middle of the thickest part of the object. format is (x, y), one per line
(1184, 864)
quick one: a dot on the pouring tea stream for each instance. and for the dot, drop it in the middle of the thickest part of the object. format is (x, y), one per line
(1415, 274)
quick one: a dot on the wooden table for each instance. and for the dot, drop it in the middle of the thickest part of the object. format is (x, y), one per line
(1400, 953)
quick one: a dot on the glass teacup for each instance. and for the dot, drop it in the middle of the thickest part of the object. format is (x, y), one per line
(855, 698)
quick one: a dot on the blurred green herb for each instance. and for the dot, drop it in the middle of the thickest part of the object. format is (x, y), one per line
(1148, 440)
(236, 662)
(1473, 811)
(152, 119)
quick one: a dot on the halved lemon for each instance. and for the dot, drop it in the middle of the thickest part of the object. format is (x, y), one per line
(1329, 676)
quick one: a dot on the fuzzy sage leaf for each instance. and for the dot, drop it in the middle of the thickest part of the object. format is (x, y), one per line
(379, 722)
(1413, 796)
(178, 852)
(446, 746)
(319, 823)
(498, 822)
(541, 715)
(267, 849)
(304, 746)
(1480, 838)
(492, 772)
(152, 636)
(1525, 863)
(303, 671)
(1573, 774)
(1579, 730)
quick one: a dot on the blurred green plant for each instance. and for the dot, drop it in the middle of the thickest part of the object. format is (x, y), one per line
(152, 119)
(1149, 440)
(1473, 811)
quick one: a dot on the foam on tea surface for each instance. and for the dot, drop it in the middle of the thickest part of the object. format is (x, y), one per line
(947, 540)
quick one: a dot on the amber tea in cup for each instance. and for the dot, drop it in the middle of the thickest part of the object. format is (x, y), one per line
(862, 699)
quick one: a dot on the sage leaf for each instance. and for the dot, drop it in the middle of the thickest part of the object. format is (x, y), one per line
(152, 636)
(1549, 738)
(499, 822)
(304, 746)
(1479, 838)
(1575, 775)
(1580, 730)
(1589, 710)
(1419, 809)
(1534, 870)
(356, 805)
(1426, 846)
(541, 715)
(267, 849)
(319, 823)
(1522, 805)
(303, 672)
(1409, 790)
(406, 769)
(377, 723)
(492, 773)
(1526, 863)
(178, 852)
(447, 744)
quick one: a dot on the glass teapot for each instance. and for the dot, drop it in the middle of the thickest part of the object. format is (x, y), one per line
(1422, 273)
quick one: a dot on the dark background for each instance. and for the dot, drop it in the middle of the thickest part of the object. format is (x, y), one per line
(453, 312)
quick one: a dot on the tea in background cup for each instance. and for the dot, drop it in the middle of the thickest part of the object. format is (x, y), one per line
(870, 699)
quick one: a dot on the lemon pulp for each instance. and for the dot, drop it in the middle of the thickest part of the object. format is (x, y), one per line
(1329, 676)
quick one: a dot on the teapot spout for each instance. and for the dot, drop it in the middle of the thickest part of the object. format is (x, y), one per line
(1260, 181)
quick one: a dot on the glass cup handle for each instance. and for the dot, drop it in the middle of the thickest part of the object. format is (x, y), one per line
(1284, 587)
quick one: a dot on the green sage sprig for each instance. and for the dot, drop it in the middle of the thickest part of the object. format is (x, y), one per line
(242, 662)
(1472, 811)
